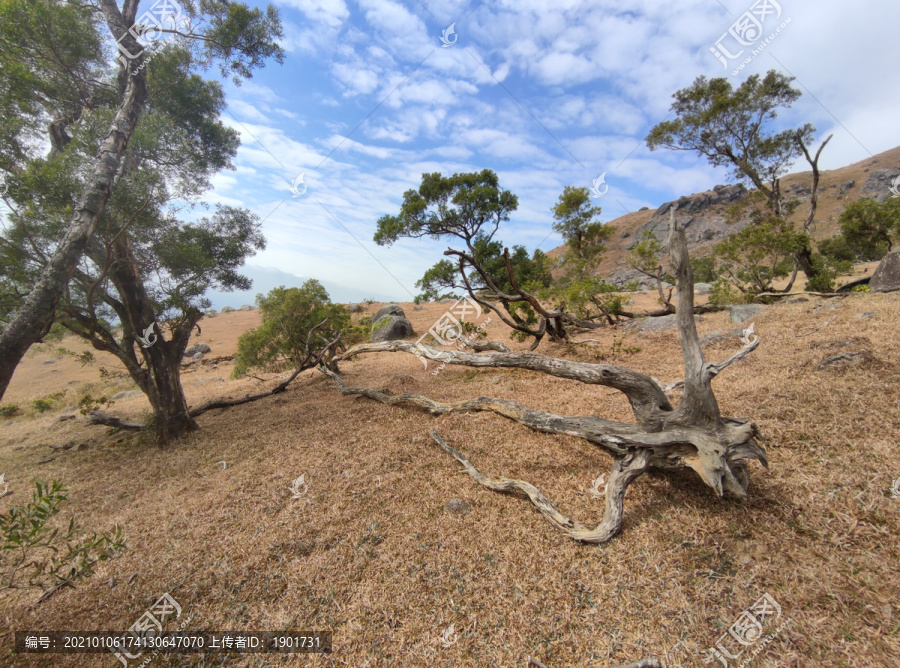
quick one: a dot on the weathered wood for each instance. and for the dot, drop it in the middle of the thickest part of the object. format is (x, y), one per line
(692, 435)
(482, 346)
(97, 417)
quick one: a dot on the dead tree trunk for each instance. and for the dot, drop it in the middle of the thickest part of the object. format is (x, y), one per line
(692, 434)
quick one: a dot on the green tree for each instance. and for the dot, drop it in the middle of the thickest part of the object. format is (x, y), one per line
(56, 72)
(734, 128)
(297, 324)
(469, 208)
(753, 257)
(649, 258)
(585, 237)
(144, 271)
(870, 228)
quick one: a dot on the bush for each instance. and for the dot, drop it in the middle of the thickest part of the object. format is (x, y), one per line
(291, 318)
(44, 404)
(705, 269)
(837, 249)
(226, 309)
(9, 410)
(49, 557)
(723, 293)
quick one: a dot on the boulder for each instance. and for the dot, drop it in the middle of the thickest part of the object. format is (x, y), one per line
(846, 185)
(390, 309)
(719, 337)
(391, 328)
(702, 288)
(246, 307)
(457, 507)
(887, 276)
(197, 348)
(354, 308)
(744, 312)
(417, 308)
(226, 309)
(197, 357)
(126, 395)
(658, 324)
(878, 185)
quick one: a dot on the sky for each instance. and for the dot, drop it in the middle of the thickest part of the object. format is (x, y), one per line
(374, 93)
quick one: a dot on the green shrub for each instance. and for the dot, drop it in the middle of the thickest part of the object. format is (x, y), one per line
(9, 410)
(723, 293)
(44, 404)
(35, 554)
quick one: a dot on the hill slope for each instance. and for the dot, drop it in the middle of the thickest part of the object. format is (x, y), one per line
(837, 188)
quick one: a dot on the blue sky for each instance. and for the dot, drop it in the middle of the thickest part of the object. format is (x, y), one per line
(547, 94)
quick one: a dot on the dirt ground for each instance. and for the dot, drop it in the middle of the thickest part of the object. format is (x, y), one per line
(370, 553)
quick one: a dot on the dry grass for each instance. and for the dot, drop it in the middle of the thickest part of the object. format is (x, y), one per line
(370, 554)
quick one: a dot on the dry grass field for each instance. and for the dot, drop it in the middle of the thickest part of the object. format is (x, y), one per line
(370, 553)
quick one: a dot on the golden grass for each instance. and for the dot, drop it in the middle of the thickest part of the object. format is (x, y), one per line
(370, 554)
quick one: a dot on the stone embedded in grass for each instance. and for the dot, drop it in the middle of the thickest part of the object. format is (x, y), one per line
(457, 507)
(745, 312)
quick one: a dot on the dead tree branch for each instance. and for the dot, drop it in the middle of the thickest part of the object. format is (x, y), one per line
(692, 434)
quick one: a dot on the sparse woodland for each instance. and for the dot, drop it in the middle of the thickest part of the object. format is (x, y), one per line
(369, 469)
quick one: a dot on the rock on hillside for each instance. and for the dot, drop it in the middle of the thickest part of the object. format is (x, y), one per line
(703, 219)
(878, 185)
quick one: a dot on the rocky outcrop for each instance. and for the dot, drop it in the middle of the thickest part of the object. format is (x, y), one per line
(887, 276)
(703, 218)
(878, 185)
(744, 312)
(197, 348)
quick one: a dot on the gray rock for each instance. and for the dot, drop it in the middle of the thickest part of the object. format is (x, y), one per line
(718, 337)
(644, 208)
(417, 308)
(744, 312)
(887, 276)
(226, 309)
(796, 300)
(868, 315)
(702, 288)
(126, 395)
(354, 308)
(878, 185)
(660, 324)
(457, 507)
(390, 309)
(846, 185)
(197, 357)
(391, 328)
(197, 348)
(49, 361)
(246, 307)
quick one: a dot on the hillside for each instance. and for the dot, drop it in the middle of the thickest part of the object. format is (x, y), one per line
(837, 187)
(372, 554)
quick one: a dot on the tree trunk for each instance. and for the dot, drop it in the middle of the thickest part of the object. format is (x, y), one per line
(171, 415)
(33, 319)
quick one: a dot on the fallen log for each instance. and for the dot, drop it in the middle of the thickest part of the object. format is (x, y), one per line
(692, 434)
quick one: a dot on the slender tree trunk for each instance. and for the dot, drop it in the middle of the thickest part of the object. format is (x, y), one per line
(33, 319)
